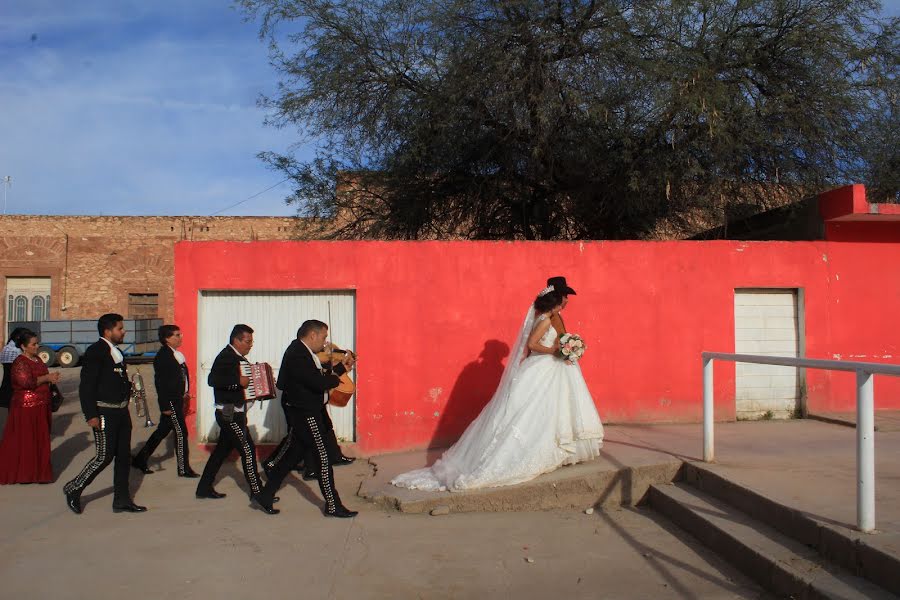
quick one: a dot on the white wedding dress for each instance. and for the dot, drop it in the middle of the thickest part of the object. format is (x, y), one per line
(542, 416)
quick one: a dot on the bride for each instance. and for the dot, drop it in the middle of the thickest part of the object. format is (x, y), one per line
(542, 416)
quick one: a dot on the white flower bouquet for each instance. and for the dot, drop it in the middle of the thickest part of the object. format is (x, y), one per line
(571, 346)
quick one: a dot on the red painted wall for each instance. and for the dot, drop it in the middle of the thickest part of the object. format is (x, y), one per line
(435, 319)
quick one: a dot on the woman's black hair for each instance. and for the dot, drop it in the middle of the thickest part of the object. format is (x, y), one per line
(24, 336)
(15, 333)
(549, 300)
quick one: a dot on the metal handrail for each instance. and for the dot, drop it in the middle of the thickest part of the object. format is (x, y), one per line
(865, 416)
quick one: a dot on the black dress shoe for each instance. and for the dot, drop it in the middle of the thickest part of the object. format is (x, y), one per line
(141, 466)
(190, 474)
(310, 476)
(73, 501)
(129, 506)
(274, 498)
(341, 512)
(344, 460)
(266, 508)
(213, 494)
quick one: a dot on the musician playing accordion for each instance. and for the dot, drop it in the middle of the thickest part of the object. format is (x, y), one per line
(228, 387)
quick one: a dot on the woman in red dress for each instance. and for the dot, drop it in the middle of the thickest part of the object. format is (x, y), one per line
(25, 448)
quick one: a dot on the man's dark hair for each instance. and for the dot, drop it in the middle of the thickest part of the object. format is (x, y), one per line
(310, 326)
(167, 331)
(107, 322)
(239, 330)
(21, 336)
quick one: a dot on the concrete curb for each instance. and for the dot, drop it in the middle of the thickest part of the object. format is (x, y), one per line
(569, 487)
(851, 550)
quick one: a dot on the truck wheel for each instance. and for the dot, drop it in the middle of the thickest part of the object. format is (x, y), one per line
(47, 356)
(67, 357)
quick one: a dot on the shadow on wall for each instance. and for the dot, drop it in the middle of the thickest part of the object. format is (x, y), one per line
(472, 391)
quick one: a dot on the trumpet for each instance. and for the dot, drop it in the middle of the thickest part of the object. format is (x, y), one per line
(139, 398)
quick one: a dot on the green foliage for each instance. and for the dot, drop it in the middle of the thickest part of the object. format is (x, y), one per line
(575, 119)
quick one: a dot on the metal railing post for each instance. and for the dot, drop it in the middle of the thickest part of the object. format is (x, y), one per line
(708, 442)
(865, 452)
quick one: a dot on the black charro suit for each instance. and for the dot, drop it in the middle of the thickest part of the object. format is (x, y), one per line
(309, 456)
(304, 386)
(171, 379)
(224, 378)
(104, 391)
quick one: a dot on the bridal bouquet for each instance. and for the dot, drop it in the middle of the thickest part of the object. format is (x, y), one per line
(571, 346)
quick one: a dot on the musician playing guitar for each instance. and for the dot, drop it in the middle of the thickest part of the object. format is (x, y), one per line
(305, 391)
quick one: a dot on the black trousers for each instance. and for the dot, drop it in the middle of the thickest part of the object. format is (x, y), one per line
(111, 441)
(168, 424)
(309, 455)
(307, 432)
(233, 435)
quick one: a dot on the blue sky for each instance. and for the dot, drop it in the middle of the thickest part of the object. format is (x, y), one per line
(135, 107)
(138, 107)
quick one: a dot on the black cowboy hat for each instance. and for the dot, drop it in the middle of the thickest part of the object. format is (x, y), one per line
(559, 284)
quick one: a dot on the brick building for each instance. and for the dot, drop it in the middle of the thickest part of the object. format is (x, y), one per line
(78, 267)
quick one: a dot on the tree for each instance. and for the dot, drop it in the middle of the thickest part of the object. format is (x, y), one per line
(568, 119)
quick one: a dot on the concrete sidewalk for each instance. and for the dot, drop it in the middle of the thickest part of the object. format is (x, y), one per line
(885, 420)
(807, 464)
(188, 548)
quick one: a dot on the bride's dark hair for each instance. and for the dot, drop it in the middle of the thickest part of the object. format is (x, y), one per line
(544, 303)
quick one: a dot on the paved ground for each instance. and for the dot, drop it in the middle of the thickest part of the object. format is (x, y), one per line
(188, 548)
(885, 420)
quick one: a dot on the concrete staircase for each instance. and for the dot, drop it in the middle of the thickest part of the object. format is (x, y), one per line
(790, 553)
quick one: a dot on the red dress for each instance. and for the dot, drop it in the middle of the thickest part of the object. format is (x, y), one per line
(25, 448)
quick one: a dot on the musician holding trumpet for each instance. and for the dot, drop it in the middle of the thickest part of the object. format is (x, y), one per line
(228, 387)
(171, 377)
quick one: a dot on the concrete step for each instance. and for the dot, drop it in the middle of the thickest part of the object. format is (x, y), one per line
(592, 484)
(780, 564)
(872, 556)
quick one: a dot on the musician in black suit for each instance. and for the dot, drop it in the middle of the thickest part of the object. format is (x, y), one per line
(228, 386)
(305, 391)
(171, 376)
(308, 464)
(104, 391)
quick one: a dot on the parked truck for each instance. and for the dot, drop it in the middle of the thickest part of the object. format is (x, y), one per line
(63, 342)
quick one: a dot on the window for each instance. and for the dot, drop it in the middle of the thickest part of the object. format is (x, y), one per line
(21, 309)
(47, 308)
(143, 306)
(9, 308)
(37, 308)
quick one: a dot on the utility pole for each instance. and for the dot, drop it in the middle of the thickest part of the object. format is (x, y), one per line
(7, 182)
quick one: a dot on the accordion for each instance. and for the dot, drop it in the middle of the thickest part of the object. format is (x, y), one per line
(262, 384)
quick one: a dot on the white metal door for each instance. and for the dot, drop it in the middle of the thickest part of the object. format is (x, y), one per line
(765, 323)
(275, 318)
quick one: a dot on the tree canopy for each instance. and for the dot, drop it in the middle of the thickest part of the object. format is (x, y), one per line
(575, 119)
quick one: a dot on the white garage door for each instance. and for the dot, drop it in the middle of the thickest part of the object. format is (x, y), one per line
(765, 322)
(275, 318)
